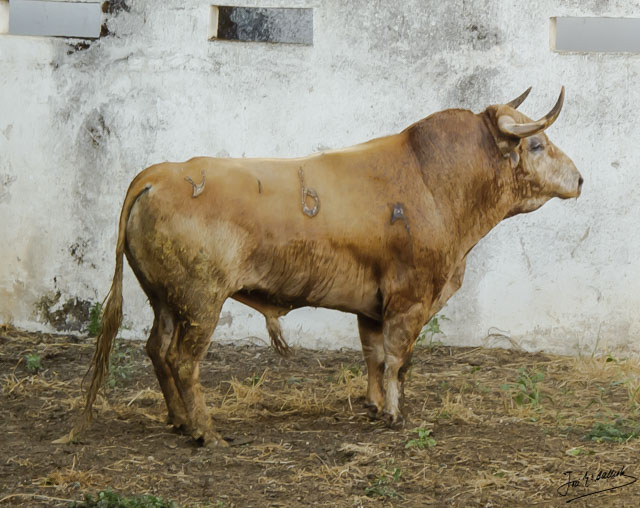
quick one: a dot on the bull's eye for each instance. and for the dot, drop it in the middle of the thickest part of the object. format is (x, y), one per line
(535, 145)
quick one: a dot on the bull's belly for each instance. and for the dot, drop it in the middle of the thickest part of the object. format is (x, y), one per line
(345, 300)
(310, 273)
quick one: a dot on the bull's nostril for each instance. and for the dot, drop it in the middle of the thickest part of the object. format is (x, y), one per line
(580, 182)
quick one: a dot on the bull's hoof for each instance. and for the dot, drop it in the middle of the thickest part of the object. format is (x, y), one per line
(392, 421)
(214, 440)
(373, 411)
(208, 437)
(178, 424)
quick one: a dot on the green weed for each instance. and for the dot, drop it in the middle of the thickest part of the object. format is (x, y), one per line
(430, 331)
(95, 319)
(110, 499)
(32, 362)
(381, 487)
(424, 440)
(346, 374)
(618, 431)
(120, 365)
(525, 391)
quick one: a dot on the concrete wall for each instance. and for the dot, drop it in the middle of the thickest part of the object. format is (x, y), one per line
(77, 123)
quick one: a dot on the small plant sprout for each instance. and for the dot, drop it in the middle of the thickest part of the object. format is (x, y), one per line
(120, 365)
(431, 329)
(95, 319)
(33, 362)
(424, 440)
(525, 391)
(110, 499)
(381, 486)
(347, 373)
(255, 380)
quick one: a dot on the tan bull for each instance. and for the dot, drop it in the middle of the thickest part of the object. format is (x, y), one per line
(380, 229)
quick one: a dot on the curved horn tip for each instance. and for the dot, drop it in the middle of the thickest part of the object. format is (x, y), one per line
(520, 99)
(551, 116)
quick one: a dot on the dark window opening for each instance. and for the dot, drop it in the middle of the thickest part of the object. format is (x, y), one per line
(258, 24)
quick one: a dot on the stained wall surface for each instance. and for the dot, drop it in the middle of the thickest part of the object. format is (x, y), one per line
(78, 119)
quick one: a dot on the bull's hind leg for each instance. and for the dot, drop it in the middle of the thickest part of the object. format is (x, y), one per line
(185, 352)
(373, 349)
(163, 332)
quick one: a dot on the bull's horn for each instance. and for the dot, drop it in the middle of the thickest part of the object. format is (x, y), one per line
(519, 100)
(508, 125)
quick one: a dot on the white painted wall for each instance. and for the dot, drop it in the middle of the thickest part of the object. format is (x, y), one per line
(76, 126)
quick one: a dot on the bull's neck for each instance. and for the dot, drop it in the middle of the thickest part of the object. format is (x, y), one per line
(486, 200)
(471, 183)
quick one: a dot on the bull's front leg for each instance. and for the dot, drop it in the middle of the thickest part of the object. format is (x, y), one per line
(452, 285)
(401, 326)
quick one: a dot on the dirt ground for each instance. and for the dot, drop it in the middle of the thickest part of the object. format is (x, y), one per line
(488, 427)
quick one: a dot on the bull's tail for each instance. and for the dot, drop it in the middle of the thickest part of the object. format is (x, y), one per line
(111, 319)
(275, 334)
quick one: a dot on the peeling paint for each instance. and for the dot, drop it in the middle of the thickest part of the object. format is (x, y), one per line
(115, 7)
(78, 46)
(6, 132)
(69, 315)
(482, 37)
(6, 181)
(96, 129)
(77, 251)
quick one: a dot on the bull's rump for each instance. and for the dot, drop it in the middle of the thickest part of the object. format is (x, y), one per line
(246, 233)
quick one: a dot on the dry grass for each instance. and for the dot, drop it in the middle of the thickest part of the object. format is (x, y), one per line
(62, 480)
(605, 368)
(302, 436)
(457, 409)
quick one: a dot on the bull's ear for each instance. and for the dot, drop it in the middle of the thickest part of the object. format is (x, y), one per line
(514, 158)
(507, 144)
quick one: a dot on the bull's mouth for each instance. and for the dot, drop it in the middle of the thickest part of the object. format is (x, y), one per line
(573, 193)
(569, 195)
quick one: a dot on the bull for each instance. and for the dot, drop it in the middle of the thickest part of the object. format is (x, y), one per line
(381, 229)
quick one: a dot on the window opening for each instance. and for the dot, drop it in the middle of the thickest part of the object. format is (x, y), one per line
(259, 24)
(595, 34)
(57, 19)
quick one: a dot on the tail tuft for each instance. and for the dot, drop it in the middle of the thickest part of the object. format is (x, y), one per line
(275, 334)
(99, 367)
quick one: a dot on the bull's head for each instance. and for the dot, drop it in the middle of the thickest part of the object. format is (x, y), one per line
(541, 170)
